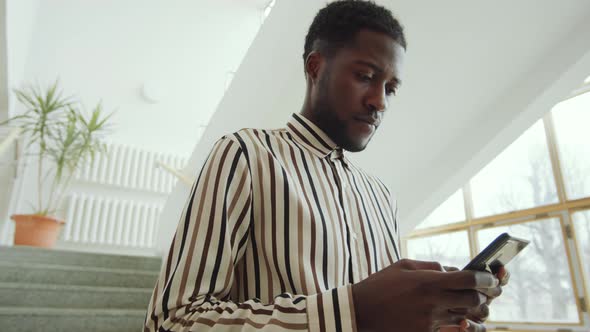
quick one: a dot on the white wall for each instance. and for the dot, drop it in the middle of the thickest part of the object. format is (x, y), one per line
(3, 64)
(106, 50)
(21, 21)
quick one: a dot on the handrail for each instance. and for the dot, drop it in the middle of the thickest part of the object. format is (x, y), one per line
(186, 180)
(13, 135)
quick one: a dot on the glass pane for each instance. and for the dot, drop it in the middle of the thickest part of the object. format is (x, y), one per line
(520, 177)
(449, 212)
(571, 119)
(582, 228)
(450, 249)
(540, 287)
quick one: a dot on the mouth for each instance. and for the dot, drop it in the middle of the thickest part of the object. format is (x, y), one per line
(366, 126)
(370, 121)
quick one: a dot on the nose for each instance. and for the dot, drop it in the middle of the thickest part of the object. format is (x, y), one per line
(377, 99)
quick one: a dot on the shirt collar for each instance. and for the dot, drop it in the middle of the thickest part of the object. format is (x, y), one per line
(312, 137)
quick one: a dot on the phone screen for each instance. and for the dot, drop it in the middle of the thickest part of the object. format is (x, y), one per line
(499, 253)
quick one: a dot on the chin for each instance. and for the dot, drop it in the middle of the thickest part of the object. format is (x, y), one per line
(350, 142)
(355, 147)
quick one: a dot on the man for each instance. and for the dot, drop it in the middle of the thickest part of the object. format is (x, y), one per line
(282, 232)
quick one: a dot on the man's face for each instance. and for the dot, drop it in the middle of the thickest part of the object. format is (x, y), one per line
(354, 87)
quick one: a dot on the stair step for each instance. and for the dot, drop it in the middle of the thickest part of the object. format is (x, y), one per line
(73, 258)
(37, 273)
(66, 296)
(34, 319)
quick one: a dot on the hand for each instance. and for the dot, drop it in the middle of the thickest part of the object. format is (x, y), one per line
(417, 296)
(481, 314)
(476, 317)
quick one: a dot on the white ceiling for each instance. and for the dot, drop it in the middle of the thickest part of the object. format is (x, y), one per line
(477, 75)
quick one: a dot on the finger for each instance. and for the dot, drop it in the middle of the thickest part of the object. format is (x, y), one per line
(504, 275)
(465, 325)
(491, 293)
(505, 279)
(468, 280)
(410, 264)
(455, 321)
(452, 324)
(447, 317)
(475, 327)
(450, 329)
(461, 312)
(463, 299)
(450, 268)
(462, 326)
(480, 314)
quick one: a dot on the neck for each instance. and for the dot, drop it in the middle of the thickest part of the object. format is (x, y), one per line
(308, 113)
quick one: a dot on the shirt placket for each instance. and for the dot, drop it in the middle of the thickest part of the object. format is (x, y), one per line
(343, 187)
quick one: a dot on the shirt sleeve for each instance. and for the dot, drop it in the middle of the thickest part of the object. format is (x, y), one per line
(193, 289)
(396, 226)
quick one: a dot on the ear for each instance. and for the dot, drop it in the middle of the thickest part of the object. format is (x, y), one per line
(313, 64)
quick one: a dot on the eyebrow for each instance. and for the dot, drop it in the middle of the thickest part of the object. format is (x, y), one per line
(378, 69)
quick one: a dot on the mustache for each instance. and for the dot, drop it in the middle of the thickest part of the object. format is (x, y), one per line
(373, 118)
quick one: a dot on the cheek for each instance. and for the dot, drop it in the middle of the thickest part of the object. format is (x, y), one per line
(348, 94)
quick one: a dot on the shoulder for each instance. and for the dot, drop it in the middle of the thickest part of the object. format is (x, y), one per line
(251, 139)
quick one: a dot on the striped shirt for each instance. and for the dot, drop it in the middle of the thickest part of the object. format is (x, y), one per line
(278, 225)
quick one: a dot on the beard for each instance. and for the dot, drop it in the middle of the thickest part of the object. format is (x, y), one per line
(328, 120)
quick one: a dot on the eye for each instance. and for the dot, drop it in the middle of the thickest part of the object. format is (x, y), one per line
(390, 91)
(364, 77)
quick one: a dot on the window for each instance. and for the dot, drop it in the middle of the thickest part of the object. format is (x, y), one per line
(450, 249)
(540, 288)
(572, 122)
(520, 177)
(535, 189)
(581, 221)
(451, 211)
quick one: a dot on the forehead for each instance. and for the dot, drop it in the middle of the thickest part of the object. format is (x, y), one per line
(376, 47)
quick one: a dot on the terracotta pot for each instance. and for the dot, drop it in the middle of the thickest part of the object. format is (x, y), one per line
(35, 230)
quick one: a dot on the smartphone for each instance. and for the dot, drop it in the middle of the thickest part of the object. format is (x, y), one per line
(498, 253)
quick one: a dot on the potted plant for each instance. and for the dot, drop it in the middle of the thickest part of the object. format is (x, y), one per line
(63, 136)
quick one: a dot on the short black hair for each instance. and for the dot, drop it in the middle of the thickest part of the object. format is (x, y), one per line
(337, 24)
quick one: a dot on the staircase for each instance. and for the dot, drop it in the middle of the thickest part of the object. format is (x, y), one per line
(57, 290)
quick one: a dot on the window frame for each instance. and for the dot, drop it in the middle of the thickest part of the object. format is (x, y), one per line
(562, 210)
